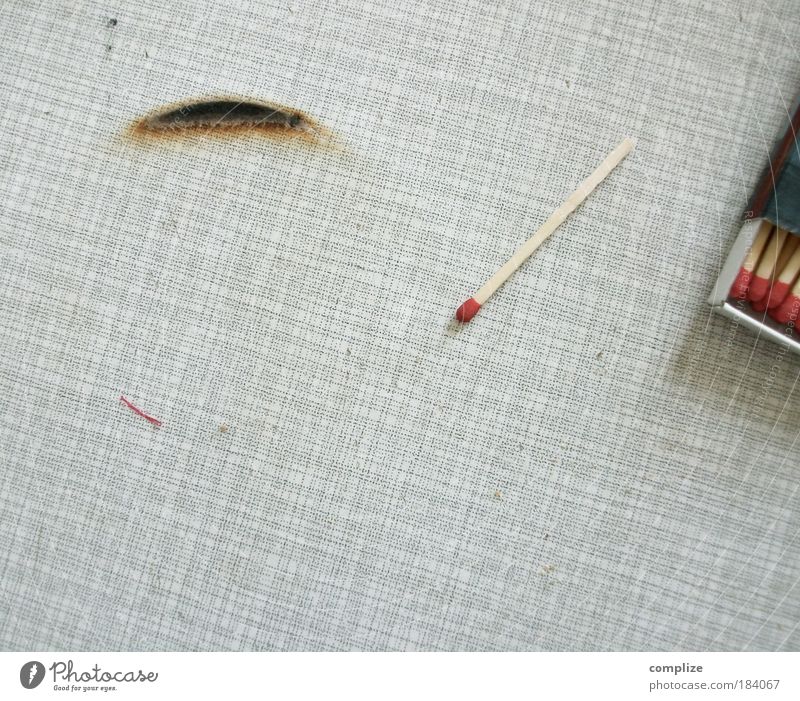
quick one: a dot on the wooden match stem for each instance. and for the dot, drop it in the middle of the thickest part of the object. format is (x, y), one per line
(758, 246)
(556, 219)
(792, 267)
(769, 260)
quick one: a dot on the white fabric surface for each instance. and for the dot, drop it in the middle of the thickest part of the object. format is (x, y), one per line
(596, 462)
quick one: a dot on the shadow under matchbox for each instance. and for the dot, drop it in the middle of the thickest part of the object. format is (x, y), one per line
(759, 285)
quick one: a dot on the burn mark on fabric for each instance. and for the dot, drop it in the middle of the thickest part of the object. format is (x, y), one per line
(216, 116)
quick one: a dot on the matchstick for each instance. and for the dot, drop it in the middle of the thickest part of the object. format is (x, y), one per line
(759, 285)
(789, 309)
(787, 250)
(787, 276)
(471, 307)
(742, 282)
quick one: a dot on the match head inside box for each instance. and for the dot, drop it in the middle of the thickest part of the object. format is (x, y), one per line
(760, 282)
(759, 285)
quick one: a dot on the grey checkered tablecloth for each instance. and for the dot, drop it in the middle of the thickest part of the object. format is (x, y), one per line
(596, 462)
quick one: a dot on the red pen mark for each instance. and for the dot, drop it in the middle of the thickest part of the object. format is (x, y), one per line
(151, 419)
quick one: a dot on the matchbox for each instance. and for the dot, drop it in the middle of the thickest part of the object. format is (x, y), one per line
(759, 285)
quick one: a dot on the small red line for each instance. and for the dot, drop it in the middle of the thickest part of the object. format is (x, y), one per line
(151, 419)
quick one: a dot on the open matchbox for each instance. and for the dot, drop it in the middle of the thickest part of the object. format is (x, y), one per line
(759, 285)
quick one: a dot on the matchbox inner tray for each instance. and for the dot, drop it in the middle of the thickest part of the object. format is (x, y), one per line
(759, 285)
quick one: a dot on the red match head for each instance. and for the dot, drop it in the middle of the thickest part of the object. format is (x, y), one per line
(742, 282)
(759, 286)
(780, 291)
(789, 310)
(467, 310)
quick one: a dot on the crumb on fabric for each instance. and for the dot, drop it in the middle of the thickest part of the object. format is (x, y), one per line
(223, 428)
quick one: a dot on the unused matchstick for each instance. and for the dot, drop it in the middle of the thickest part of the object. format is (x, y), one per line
(759, 285)
(789, 245)
(471, 307)
(789, 309)
(742, 282)
(787, 277)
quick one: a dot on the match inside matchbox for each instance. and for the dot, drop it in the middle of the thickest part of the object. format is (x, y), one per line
(759, 285)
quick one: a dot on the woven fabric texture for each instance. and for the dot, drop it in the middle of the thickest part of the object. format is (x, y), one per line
(596, 462)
